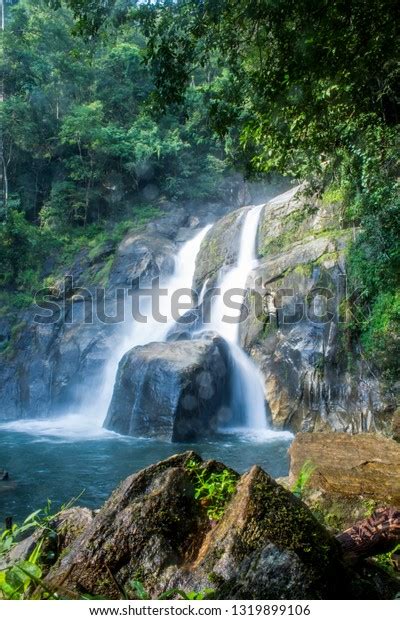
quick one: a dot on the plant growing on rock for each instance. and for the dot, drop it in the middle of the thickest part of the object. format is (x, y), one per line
(387, 561)
(303, 479)
(19, 578)
(212, 489)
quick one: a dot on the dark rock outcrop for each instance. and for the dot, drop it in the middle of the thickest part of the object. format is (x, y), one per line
(175, 390)
(142, 257)
(396, 425)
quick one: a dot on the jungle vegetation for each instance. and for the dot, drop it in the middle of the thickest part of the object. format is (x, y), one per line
(105, 99)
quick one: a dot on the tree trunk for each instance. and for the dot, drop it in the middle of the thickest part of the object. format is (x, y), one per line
(380, 533)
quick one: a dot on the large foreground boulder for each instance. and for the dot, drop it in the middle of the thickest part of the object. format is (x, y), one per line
(153, 529)
(268, 545)
(176, 390)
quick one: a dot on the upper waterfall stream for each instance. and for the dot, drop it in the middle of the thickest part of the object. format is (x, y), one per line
(247, 398)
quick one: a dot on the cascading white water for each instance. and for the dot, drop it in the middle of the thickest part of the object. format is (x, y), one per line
(247, 397)
(236, 277)
(136, 334)
(248, 401)
(86, 420)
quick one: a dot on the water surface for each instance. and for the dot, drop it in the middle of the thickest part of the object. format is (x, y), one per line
(60, 468)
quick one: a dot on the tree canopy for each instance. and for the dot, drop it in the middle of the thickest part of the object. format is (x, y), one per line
(117, 102)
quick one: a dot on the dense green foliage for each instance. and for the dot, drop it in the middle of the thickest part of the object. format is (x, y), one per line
(312, 89)
(305, 88)
(83, 147)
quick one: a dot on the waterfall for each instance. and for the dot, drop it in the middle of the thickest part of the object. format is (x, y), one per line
(247, 395)
(236, 276)
(247, 398)
(136, 334)
(85, 421)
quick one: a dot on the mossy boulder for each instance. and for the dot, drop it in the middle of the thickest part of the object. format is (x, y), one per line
(149, 523)
(266, 544)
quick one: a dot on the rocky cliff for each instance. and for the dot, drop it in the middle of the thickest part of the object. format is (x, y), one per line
(315, 378)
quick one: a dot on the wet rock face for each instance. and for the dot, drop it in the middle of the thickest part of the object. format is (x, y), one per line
(220, 247)
(175, 390)
(352, 466)
(142, 256)
(315, 380)
(152, 529)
